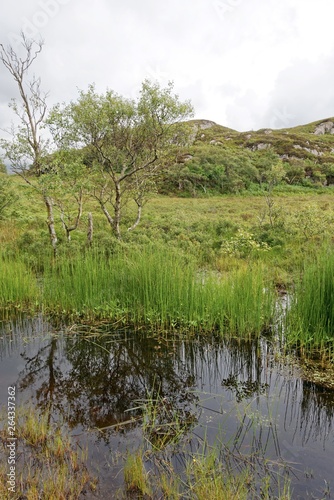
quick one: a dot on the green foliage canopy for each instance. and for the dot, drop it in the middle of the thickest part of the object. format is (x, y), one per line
(127, 141)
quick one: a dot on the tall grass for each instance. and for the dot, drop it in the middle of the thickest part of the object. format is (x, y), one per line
(18, 284)
(310, 321)
(158, 287)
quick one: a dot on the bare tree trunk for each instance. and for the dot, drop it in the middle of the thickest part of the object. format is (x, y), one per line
(90, 229)
(139, 210)
(33, 100)
(65, 226)
(51, 224)
(69, 229)
(117, 211)
(106, 213)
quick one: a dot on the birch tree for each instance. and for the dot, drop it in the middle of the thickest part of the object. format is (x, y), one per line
(27, 148)
(127, 142)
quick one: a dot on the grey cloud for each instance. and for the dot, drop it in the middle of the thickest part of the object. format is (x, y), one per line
(244, 111)
(201, 48)
(303, 93)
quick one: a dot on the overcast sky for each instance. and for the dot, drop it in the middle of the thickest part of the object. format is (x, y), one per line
(246, 64)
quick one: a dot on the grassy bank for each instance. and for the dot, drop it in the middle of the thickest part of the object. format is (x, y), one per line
(18, 284)
(151, 286)
(206, 263)
(310, 320)
(163, 289)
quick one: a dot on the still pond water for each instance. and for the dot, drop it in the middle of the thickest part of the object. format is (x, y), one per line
(241, 394)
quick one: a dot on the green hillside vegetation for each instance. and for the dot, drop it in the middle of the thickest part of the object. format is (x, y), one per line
(223, 160)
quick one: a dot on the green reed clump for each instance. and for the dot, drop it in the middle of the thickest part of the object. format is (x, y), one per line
(158, 287)
(310, 320)
(18, 284)
(135, 476)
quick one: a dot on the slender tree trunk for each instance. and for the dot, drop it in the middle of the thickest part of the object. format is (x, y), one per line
(117, 210)
(51, 224)
(106, 213)
(90, 229)
(139, 210)
(270, 204)
(69, 229)
(65, 226)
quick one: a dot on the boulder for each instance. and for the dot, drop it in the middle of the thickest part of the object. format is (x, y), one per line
(324, 128)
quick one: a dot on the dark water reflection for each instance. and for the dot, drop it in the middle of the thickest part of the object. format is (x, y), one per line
(233, 391)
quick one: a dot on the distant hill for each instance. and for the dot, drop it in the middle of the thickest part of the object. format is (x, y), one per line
(225, 160)
(312, 141)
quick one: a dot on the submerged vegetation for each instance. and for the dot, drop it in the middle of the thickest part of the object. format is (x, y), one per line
(205, 476)
(220, 471)
(48, 464)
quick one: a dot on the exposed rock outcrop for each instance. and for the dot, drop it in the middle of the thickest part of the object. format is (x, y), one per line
(204, 124)
(324, 128)
(216, 142)
(185, 157)
(315, 152)
(261, 146)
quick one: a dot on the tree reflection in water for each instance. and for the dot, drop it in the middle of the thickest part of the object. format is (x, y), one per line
(94, 380)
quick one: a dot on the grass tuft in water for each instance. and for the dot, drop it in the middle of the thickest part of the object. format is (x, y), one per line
(204, 476)
(135, 475)
(158, 287)
(208, 478)
(47, 463)
(310, 320)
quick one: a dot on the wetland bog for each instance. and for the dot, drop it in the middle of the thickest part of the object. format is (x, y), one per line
(194, 357)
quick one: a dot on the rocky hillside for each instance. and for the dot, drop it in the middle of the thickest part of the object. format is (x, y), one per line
(312, 141)
(225, 160)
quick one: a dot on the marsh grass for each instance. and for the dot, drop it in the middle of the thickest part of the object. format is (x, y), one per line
(207, 478)
(48, 464)
(204, 475)
(135, 475)
(157, 287)
(18, 284)
(164, 423)
(204, 478)
(310, 320)
(174, 462)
